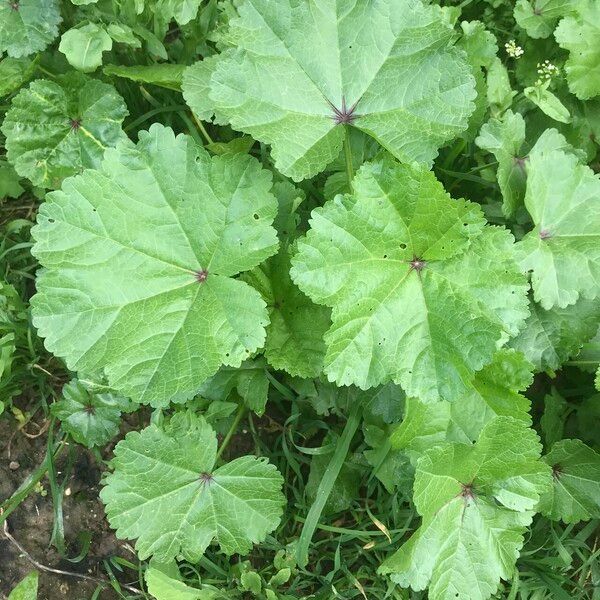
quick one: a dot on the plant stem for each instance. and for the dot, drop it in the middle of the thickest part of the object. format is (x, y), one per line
(202, 129)
(331, 474)
(348, 153)
(238, 417)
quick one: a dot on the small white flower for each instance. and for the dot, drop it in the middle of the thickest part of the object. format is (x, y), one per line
(513, 50)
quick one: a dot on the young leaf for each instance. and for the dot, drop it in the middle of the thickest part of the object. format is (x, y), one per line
(476, 502)
(575, 493)
(92, 419)
(550, 337)
(164, 583)
(165, 492)
(140, 261)
(563, 250)
(504, 138)
(301, 71)
(249, 380)
(27, 589)
(83, 46)
(421, 290)
(10, 186)
(55, 129)
(493, 392)
(27, 26)
(580, 35)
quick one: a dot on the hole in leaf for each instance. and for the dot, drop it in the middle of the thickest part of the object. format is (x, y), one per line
(403, 245)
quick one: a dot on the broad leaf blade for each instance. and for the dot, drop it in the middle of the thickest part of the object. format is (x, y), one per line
(55, 129)
(28, 26)
(139, 261)
(575, 493)
(402, 264)
(476, 502)
(186, 502)
(273, 88)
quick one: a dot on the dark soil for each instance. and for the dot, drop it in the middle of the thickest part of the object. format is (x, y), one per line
(31, 523)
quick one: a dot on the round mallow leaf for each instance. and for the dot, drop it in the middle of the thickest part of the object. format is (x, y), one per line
(55, 129)
(422, 291)
(27, 26)
(166, 492)
(140, 258)
(299, 71)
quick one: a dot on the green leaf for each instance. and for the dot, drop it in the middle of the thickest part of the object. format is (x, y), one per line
(123, 34)
(580, 35)
(552, 422)
(504, 138)
(297, 63)
(295, 334)
(14, 72)
(249, 380)
(550, 337)
(164, 583)
(83, 46)
(168, 227)
(9, 182)
(575, 493)
(92, 419)
(499, 93)
(346, 487)
(539, 17)
(563, 250)
(479, 43)
(547, 102)
(27, 589)
(55, 129)
(164, 75)
(251, 582)
(165, 492)
(28, 26)
(494, 392)
(421, 290)
(476, 502)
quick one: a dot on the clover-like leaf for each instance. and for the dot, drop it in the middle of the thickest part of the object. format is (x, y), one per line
(165, 492)
(504, 138)
(299, 71)
(55, 129)
(493, 392)
(421, 290)
(563, 250)
(91, 418)
(27, 26)
(580, 35)
(575, 493)
(139, 263)
(476, 502)
(550, 337)
(83, 46)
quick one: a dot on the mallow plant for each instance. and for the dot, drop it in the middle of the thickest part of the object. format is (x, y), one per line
(368, 231)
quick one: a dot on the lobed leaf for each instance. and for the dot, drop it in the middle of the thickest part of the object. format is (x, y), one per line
(300, 70)
(140, 258)
(421, 291)
(165, 492)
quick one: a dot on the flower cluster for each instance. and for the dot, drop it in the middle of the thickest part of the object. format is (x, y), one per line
(513, 50)
(546, 72)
